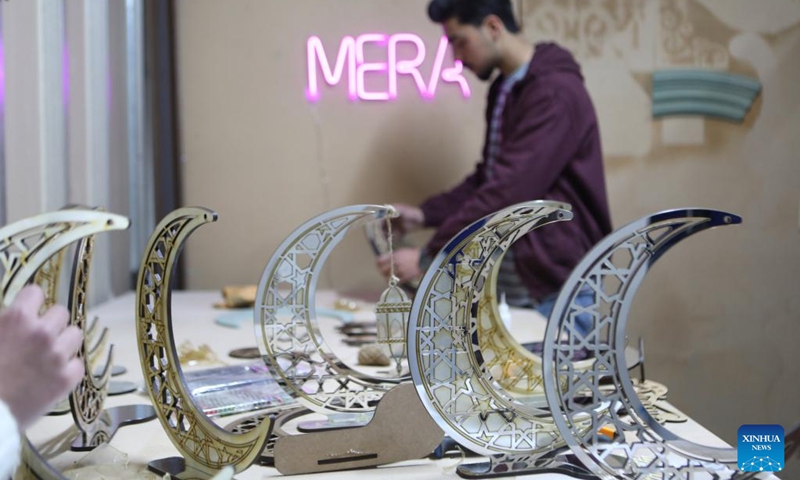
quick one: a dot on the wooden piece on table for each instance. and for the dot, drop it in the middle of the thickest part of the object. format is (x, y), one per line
(400, 430)
(238, 296)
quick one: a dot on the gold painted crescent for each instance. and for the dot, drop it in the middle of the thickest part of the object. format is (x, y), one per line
(516, 369)
(87, 399)
(206, 448)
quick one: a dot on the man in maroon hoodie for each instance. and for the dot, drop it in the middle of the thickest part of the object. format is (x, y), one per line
(542, 143)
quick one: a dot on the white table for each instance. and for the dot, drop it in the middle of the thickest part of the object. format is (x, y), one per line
(193, 320)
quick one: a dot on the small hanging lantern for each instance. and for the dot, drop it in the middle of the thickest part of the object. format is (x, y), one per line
(392, 312)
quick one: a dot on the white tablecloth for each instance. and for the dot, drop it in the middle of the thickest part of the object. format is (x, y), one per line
(193, 320)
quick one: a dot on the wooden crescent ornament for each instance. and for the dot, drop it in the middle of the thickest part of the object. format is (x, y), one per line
(206, 448)
(26, 247)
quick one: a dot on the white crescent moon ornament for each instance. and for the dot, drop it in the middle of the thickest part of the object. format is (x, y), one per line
(286, 325)
(452, 377)
(26, 247)
(206, 448)
(27, 244)
(612, 271)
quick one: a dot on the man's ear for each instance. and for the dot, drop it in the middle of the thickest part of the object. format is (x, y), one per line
(494, 26)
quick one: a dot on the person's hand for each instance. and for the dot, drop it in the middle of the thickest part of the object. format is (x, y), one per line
(410, 219)
(406, 264)
(37, 356)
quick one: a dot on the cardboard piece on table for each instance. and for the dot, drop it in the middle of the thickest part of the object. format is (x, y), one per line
(400, 430)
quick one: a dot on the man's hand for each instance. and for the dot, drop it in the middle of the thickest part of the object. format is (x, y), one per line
(406, 264)
(410, 220)
(37, 356)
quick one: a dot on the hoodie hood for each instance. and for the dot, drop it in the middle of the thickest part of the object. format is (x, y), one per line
(551, 58)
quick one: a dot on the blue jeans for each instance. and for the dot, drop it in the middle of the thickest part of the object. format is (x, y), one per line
(583, 322)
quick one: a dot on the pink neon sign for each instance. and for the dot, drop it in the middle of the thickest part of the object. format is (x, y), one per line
(351, 62)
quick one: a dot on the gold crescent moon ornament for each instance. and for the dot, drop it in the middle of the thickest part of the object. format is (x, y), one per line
(26, 247)
(641, 448)
(286, 325)
(514, 368)
(205, 447)
(86, 400)
(96, 425)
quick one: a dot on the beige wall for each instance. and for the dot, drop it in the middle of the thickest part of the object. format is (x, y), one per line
(719, 314)
(255, 150)
(62, 151)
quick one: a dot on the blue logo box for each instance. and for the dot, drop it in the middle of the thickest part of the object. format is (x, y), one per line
(760, 448)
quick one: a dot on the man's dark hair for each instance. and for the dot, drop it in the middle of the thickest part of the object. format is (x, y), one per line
(473, 12)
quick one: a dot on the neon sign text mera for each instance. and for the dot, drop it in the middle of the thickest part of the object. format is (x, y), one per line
(350, 61)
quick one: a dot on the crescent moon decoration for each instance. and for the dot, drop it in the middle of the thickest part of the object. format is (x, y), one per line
(613, 270)
(452, 377)
(286, 321)
(205, 447)
(86, 400)
(516, 369)
(25, 247)
(33, 238)
(48, 276)
(96, 425)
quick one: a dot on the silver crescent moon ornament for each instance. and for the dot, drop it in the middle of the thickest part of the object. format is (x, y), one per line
(286, 324)
(26, 247)
(451, 375)
(612, 271)
(206, 448)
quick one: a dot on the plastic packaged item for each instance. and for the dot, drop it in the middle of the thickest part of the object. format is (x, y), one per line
(235, 389)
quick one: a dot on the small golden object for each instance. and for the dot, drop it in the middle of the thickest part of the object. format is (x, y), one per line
(607, 431)
(346, 305)
(238, 296)
(191, 356)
